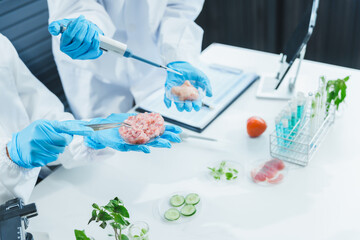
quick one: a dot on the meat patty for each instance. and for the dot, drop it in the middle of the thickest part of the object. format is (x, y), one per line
(144, 127)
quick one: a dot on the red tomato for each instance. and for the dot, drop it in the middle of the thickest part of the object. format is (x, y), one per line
(255, 126)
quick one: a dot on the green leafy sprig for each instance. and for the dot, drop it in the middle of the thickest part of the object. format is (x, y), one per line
(336, 92)
(223, 170)
(142, 235)
(114, 214)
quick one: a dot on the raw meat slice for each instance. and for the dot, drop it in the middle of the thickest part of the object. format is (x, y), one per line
(186, 92)
(269, 172)
(278, 179)
(277, 163)
(144, 127)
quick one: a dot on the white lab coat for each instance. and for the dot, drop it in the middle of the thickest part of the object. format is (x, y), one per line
(23, 99)
(160, 30)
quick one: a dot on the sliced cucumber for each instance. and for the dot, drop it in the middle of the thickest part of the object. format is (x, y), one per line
(177, 200)
(192, 199)
(188, 210)
(172, 214)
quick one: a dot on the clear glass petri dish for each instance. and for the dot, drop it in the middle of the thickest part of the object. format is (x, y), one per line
(229, 164)
(257, 170)
(164, 205)
(139, 231)
(176, 98)
(134, 136)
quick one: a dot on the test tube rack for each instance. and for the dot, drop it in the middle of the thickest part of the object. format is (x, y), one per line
(300, 145)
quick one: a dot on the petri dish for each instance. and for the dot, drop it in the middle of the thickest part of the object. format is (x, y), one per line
(164, 205)
(176, 98)
(265, 172)
(229, 164)
(140, 136)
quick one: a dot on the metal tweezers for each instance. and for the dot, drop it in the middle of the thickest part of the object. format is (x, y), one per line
(104, 126)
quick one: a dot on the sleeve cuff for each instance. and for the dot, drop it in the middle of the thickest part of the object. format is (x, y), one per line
(78, 154)
(15, 181)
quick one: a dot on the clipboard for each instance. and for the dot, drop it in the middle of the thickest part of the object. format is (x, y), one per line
(227, 83)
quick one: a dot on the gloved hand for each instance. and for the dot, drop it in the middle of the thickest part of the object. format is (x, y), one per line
(111, 137)
(42, 141)
(80, 40)
(189, 73)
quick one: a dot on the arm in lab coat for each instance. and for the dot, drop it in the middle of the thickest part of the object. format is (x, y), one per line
(180, 38)
(39, 103)
(95, 12)
(91, 9)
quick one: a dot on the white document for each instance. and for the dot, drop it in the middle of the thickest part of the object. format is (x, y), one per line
(227, 84)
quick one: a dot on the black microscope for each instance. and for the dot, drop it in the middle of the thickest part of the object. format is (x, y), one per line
(14, 215)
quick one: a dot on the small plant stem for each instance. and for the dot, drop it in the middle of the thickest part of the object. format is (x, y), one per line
(116, 234)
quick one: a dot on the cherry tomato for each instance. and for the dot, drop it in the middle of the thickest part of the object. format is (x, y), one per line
(255, 126)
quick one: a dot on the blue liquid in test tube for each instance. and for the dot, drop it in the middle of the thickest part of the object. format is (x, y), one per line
(279, 130)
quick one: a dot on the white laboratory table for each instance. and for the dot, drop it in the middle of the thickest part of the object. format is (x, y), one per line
(320, 201)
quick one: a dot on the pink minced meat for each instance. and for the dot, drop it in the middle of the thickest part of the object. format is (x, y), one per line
(144, 127)
(186, 92)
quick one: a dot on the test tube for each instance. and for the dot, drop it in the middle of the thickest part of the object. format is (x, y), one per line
(300, 105)
(287, 116)
(285, 124)
(279, 130)
(294, 120)
(312, 113)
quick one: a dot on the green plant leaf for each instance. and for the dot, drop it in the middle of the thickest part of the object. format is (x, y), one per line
(228, 175)
(217, 173)
(94, 205)
(109, 207)
(103, 225)
(104, 216)
(122, 210)
(124, 237)
(338, 92)
(118, 218)
(222, 164)
(143, 231)
(93, 216)
(118, 200)
(80, 235)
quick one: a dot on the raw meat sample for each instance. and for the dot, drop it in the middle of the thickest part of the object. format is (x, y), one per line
(144, 127)
(186, 92)
(269, 172)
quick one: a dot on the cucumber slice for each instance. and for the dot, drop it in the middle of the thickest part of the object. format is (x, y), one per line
(172, 214)
(188, 210)
(177, 200)
(192, 199)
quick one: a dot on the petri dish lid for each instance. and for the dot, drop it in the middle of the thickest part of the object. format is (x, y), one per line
(266, 172)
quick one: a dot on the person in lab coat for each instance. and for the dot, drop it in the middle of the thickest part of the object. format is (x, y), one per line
(163, 31)
(33, 130)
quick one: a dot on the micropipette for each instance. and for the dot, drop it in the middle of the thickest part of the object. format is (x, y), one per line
(110, 45)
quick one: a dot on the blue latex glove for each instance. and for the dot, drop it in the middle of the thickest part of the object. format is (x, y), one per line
(80, 40)
(42, 141)
(195, 76)
(111, 137)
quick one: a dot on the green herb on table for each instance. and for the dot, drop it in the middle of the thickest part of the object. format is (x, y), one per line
(114, 214)
(223, 171)
(336, 92)
(142, 235)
